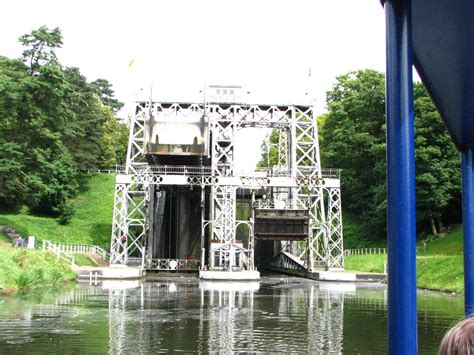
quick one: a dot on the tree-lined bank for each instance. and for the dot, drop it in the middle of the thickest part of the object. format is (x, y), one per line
(53, 123)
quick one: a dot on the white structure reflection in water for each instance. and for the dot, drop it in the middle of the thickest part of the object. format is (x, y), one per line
(230, 316)
(171, 314)
(228, 307)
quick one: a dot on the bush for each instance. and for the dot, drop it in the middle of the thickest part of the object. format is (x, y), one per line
(26, 270)
(67, 212)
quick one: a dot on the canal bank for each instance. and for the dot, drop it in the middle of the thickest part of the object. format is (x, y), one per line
(23, 271)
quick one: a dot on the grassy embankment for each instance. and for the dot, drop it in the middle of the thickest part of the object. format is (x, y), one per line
(91, 224)
(439, 265)
(26, 270)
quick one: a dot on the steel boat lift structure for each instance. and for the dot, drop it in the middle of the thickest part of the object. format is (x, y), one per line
(175, 206)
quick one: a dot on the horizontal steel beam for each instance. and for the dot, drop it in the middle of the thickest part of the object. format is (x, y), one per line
(236, 181)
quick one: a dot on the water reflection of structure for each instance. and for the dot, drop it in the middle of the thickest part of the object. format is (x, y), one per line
(119, 313)
(77, 294)
(229, 312)
(280, 314)
(324, 306)
(236, 321)
(276, 315)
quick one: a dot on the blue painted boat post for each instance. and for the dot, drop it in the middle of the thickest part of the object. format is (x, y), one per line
(401, 213)
(468, 228)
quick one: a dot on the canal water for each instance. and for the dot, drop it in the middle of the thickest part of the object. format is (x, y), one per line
(277, 314)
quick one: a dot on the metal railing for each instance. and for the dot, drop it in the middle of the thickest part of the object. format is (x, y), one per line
(97, 171)
(365, 251)
(133, 261)
(323, 173)
(268, 172)
(173, 264)
(71, 249)
(178, 170)
(279, 204)
(52, 247)
(207, 170)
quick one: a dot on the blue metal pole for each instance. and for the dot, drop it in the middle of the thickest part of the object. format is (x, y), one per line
(401, 213)
(468, 228)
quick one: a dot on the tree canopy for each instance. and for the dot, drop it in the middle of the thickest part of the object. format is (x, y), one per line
(53, 124)
(106, 94)
(353, 139)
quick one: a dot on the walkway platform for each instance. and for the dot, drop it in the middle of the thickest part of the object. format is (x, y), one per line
(345, 276)
(230, 275)
(86, 273)
(334, 276)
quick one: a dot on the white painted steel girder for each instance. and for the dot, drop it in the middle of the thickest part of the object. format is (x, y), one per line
(238, 181)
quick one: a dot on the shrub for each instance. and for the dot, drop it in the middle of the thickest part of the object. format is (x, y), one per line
(67, 212)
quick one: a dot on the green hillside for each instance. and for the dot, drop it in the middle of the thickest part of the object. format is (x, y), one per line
(91, 223)
(439, 262)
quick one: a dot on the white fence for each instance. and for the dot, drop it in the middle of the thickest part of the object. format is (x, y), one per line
(365, 251)
(52, 247)
(69, 249)
(97, 171)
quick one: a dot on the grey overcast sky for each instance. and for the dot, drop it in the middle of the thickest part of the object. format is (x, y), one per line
(178, 46)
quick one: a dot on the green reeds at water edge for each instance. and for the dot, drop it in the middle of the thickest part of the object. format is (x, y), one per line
(22, 271)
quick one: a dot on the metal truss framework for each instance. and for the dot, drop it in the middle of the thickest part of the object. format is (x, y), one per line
(287, 261)
(298, 179)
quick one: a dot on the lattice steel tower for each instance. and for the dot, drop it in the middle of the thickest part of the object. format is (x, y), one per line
(176, 199)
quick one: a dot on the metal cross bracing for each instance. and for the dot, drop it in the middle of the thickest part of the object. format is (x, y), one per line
(129, 222)
(131, 197)
(297, 180)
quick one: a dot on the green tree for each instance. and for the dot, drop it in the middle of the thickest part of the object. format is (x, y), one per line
(114, 140)
(83, 134)
(40, 46)
(53, 123)
(15, 107)
(438, 178)
(353, 138)
(36, 167)
(106, 94)
(121, 143)
(269, 150)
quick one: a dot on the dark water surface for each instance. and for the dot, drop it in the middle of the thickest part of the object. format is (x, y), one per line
(277, 314)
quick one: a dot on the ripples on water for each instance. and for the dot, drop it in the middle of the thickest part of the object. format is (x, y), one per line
(278, 314)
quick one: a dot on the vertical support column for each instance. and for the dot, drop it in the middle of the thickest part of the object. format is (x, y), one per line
(283, 149)
(118, 244)
(468, 228)
(311, 247)
(203, 225)
(252, 232)
(401, 214)
(149, 241)
(223, 126)
(335, 237)
(292, 163)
